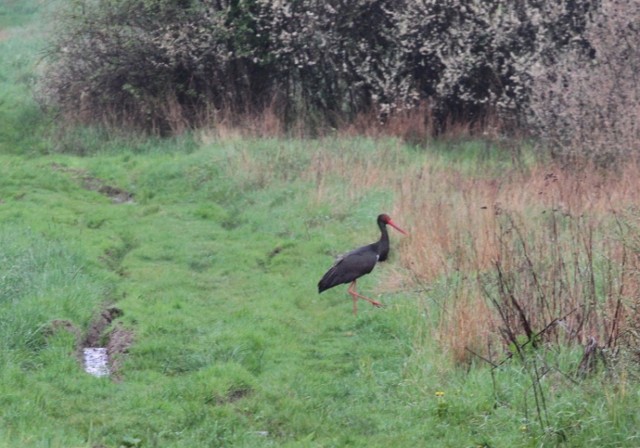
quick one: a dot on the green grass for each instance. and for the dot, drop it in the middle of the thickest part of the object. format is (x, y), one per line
(214, 265)
(216, 273)
(18, 12)
(22, 39)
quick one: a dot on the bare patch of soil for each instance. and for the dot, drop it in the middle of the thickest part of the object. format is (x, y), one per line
(232, 395)
(99, 324)
(62, 325)
(117, 195)
(117, 340)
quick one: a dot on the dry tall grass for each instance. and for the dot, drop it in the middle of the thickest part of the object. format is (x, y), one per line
(546, 247)
(543, 250)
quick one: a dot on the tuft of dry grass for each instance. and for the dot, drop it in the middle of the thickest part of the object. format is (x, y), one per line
(466, 326)
(415, 124)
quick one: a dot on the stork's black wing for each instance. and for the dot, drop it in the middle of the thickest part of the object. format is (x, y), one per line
(349, 267)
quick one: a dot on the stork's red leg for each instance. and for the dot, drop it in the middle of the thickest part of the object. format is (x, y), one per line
(355, 305)
(356, 296)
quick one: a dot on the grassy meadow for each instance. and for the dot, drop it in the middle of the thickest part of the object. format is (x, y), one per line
(211, 246)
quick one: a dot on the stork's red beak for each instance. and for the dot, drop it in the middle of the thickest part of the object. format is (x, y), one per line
(392, 224)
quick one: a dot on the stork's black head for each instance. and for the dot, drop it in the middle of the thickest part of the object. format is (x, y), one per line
(385, 219)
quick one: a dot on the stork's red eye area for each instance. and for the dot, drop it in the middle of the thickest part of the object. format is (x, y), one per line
(386, 218)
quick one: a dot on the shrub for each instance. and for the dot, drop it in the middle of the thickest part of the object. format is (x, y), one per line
(586, 104)
(473, 56)
(165, 66)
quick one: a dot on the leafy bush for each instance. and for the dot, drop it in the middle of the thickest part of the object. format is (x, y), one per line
(473, 57)
(587, 104)
(165, 65)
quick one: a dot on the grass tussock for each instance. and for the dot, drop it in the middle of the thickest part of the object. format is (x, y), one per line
(466, 326)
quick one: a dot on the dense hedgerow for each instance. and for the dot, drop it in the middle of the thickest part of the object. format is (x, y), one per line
(587, 104)
(166, 65)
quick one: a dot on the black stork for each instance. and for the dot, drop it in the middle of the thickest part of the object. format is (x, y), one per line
(351, 266)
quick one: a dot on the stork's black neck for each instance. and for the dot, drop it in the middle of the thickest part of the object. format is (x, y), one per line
(382, 246)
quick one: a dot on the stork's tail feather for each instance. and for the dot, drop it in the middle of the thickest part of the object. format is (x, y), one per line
(327, 281)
